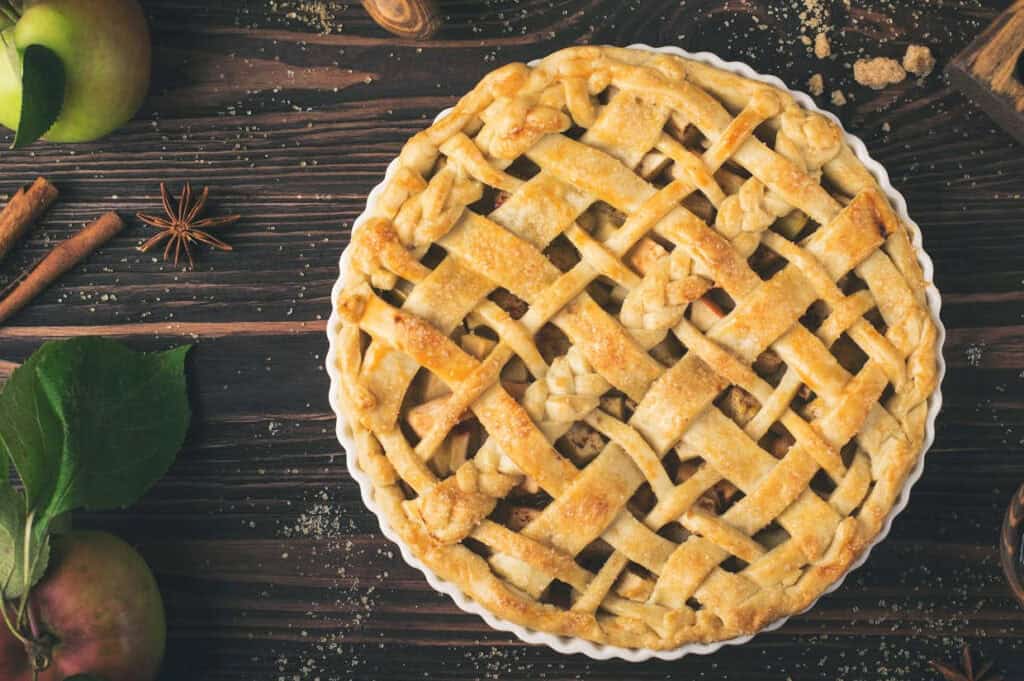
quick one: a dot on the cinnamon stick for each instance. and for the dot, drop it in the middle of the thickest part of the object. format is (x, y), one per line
(62, 258)
(23, 210)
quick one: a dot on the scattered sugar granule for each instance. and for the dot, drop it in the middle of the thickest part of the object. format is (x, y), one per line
(879, 72)
(838, 98)
(320, 15)
(974, 353)
(822, 48)
(918, 60)
(816, 84)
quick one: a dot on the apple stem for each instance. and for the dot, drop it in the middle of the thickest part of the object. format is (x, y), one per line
(33, 625)
(24, 627)
(10, 625)
(38, 646)
(41, 655)
(26, 574)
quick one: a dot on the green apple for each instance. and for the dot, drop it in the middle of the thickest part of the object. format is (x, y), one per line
(103, 49)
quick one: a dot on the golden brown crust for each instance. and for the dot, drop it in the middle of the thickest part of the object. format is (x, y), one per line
(811, 356)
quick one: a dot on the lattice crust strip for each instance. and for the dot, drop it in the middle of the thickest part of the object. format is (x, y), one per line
(635, 349)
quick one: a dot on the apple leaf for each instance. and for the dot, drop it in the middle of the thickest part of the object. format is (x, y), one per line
(42, 94)
(31, 434)
(125, 416)
(12, 543)
(92, 424)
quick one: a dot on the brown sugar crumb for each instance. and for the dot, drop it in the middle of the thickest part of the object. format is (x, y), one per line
(814, 18)
(838, 98)
(319, 15)
(822, 47)
(878, 73)
(816, 84)
(918, 60)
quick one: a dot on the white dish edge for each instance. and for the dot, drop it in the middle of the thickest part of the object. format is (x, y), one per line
(565, 644)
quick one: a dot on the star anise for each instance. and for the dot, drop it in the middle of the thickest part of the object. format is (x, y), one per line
(181, 228)
(967, 670)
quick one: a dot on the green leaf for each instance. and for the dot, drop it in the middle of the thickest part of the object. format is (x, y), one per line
(12, 515)
(12, 543)
(42, 94)
(31, 433)
(92, 423)
(125, 417)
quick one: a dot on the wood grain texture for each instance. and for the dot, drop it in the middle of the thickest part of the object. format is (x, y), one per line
(271, 567)
(405, 18)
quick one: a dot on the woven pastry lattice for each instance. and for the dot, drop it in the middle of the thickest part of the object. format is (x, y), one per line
(634, 349)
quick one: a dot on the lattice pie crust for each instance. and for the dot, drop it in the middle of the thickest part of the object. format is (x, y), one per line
(634, 349)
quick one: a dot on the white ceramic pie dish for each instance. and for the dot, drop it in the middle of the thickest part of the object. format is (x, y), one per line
(577, 645)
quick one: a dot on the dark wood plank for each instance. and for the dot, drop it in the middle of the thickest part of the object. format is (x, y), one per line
(271, 567)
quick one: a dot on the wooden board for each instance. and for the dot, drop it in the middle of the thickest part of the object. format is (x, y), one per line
(271, 567)
(991, 70)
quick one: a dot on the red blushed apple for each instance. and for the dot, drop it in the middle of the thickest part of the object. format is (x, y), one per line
(97, 611)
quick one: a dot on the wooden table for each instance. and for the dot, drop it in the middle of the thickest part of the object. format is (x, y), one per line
(270, 566)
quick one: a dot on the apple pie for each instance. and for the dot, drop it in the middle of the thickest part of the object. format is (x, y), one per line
(634, 349)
